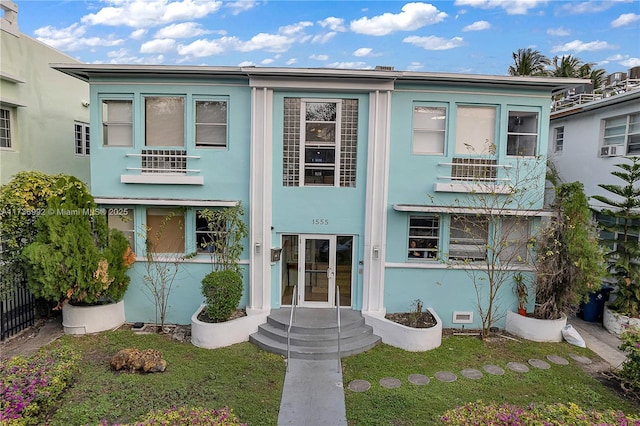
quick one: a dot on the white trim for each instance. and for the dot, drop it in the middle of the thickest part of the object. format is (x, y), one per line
(470, 210)
(165, 202)
(5, 76)
(298, 81)
(453, 265)
(163, 179)
(472, 188)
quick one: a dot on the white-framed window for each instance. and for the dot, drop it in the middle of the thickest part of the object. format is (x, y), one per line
(429, 129)
(164, 121)
(117, 122)
(468, 238)
(623, 130)
(165, 230)
(122, 219)
(522, 133)
(82, 138)
(320, 134)
(211, 123)
(558, 139)
(476, 129)
(5, 128)
(207, 232)
(424, 236)
(514, 239)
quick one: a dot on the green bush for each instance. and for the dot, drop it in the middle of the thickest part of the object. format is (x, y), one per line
(631, 347)
(558, 414)
(222, 291)
(192, 416)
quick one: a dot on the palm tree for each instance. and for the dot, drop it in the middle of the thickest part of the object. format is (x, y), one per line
(529, 62)
(566, 66)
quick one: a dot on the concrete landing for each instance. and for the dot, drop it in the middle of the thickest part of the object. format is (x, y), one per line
(313, 394)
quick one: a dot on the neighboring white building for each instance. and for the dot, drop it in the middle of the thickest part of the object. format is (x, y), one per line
(44, 115)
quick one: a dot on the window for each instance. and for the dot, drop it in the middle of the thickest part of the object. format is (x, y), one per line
(207, 233)
(165, 230)
(514, 234)
(468, 238)
(5, 128)
(623, 130)
(122, 219)
(424, 232)
(429, 124)
(522, 133)
(117, 122)
(211, 124)
(320, 142)
(475, 130)
(82, 140)
(559, 139)
(164, 120)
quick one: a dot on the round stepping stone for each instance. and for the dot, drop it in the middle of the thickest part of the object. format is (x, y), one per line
(581, 359)
(445, 376)
(557, 360)
(390, 382)
(493, 369)
(538, 363)
(418, 379)
(518, 367)
(359, 386)
(471, 373)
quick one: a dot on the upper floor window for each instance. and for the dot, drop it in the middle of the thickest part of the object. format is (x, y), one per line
(475, 130)
(164, 120)
(424, 234)
(468, 238)
(211, 124)
(429, 124)
(559, 139)
(623, 130)
(82, 139)
(5, 128)
(522, 133)
(117, 122)
(320, 142)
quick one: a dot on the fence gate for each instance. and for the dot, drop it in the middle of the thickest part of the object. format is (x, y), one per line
(17, 308)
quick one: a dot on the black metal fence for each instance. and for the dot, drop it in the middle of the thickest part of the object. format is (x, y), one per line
(17, 308)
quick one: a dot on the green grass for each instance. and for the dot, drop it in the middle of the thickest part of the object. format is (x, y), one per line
(422, 405)
(242, 377)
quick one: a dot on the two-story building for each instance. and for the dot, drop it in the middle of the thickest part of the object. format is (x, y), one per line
(375, 182)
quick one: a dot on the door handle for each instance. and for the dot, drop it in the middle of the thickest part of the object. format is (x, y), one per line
(329, 273)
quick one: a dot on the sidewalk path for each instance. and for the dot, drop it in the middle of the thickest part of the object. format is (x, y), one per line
(312, 394)
(33, 338)
(600, 341)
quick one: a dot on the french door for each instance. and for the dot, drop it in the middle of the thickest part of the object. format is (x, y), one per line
(316, 270)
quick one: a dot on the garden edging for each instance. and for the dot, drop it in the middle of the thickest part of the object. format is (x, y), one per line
(403, 337)
(92, 319)
(217, 335)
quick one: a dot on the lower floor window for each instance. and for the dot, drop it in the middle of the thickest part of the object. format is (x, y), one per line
(424, 233)
(468, 238)
(165, 230)
(122, 220)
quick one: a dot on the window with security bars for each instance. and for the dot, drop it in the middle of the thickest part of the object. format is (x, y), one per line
(424, 234)
(474, 169)
(320, 142)
(164, 161)
(82, 139)
(5, 128)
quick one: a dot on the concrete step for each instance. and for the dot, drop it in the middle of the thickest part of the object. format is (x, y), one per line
(300, 337)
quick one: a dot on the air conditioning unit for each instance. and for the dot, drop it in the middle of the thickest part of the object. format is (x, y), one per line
(612, 150)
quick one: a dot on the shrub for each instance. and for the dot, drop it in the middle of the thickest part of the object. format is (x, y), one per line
(30, 386)
(631, 346)
(190, 416)
(222, 291)
(533, 415)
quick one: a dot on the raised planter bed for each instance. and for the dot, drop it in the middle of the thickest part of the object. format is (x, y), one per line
(92, 319)
(616, 323)
(534, 329)
(407, 338)
(217, 335)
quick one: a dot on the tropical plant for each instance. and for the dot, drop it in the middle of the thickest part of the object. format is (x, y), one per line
(529, 62)
(570, 264)
(75, 257)
(631, 347)
(522, 290)
(621, 222)
(571, 66)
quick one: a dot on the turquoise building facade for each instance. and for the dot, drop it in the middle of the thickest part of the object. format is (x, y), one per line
(370, 184)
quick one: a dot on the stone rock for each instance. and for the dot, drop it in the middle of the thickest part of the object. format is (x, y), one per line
(146, 361)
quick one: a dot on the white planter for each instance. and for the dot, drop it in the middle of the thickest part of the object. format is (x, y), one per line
(616, 323)
(217, 335)
(403, 337)
(92, 319)
(537, 330)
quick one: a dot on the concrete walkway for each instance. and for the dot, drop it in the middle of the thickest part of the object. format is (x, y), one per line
(313, 394)
(600, 341)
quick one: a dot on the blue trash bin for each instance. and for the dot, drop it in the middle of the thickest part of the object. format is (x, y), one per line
(592, 311)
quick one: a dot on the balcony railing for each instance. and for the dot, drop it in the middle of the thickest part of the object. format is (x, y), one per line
(473, 175)
(165, 161)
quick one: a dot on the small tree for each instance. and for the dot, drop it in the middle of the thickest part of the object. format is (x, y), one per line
(570, 264)
(622, 221)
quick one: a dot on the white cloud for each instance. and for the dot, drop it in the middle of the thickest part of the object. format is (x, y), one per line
(617, 57)
(160, 45)
(334, 24)
(579, 8)
(291, 61)
(323, 38)
(415, 66)
(512, 7)
(412, 17)
(363, 51)
(182, 30)
(631, 62)
(435, 43)
(319, 57)
(580, 46)
(625, 19)
(560, 32)
(268, 42)
(200, 48)
(122, 56)
(478, 26)
(138, 34)
(149, 13)
(349, 65)
(72, 38)
(267, 61)
(247, 64)
(240, 6)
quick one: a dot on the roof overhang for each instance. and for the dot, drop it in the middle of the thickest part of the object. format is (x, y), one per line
(423, 208)
(165, 202)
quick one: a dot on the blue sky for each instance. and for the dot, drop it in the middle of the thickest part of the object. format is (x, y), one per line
(459, 36)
